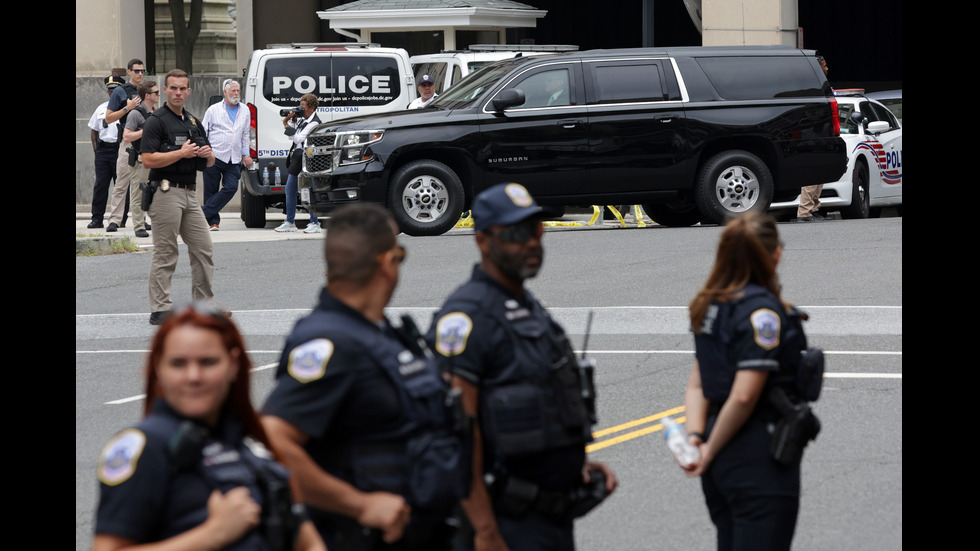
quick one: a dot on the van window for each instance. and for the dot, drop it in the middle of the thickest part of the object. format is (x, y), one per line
(761, 77)
(628, 83)
(435, 69)
(336, 81)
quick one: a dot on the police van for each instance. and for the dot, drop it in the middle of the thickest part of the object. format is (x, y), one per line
(349, 79)
(450, 66)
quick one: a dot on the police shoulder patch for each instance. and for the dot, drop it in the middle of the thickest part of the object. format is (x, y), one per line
(452, 331)
(765, 327)
(308, 361)
(118, 460)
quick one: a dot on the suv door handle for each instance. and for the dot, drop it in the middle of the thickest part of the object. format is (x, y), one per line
(570, 123)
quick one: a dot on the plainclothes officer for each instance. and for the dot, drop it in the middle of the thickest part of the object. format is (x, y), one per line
(520, 379)
(175, 149)
(196, 472)
(359, 410)
(748, 342)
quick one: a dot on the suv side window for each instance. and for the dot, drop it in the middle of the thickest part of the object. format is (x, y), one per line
(629, 83)
(545, 89)
(760, 77)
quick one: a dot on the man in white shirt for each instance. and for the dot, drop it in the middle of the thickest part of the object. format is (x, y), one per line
(226, 124)
(427, 93)
(105, 144)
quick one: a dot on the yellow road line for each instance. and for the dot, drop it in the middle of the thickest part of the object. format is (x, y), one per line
(634, 434)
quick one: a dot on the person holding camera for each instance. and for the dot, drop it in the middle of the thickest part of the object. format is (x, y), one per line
(298, 123)
(533, 400)
(175, 148)
(748, 345)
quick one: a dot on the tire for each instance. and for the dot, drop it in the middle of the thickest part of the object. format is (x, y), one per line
(674, 214)
(426, 198)
(860, 206)
(253, 208)
(732, 183)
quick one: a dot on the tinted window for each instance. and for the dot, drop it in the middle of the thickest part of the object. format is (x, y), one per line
(627, 83)
(336, 81)
(761, 77)
(544, 89)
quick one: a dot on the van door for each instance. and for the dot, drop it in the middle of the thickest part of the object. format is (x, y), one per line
(542, 144)
(638, 127)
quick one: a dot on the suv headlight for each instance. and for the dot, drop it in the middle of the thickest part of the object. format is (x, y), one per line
(354, 146)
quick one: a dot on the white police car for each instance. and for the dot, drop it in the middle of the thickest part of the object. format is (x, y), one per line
(874, 168)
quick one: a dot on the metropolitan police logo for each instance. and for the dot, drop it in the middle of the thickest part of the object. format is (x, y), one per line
(118, 460)
(765, 325)
(518, 194)
(451, 333)
(308, 361)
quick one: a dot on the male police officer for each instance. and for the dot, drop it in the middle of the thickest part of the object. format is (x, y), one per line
(173, 146)
(533, 400)
(359, 412)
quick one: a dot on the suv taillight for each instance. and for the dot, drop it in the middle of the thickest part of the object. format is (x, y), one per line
(253, 133)
(834, 111)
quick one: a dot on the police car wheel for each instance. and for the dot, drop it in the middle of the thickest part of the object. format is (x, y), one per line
(732, 183)
(426, 198)
(674, 214)
(860, 206)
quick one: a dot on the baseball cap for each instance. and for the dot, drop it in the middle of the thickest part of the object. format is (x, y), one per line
(503, 205)
(112, 81)
(426, 78)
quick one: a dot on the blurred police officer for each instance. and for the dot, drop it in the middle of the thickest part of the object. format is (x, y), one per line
(105, 144)
(519, 377)
(359, 412)
(173, 146)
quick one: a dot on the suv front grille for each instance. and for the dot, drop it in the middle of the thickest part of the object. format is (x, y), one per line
(323, 159)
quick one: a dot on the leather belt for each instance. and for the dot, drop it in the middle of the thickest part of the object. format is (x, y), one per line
(165, 184)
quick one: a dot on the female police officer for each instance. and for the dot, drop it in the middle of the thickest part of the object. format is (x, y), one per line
(195, 473)
(747, 341)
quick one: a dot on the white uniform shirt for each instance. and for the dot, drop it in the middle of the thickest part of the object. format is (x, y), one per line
(418, 102)
(108, 133)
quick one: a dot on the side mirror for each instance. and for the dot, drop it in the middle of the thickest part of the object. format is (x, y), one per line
(878, 127)
(508, 98)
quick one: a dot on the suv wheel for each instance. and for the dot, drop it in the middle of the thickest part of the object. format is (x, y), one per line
(253, 208)
(674, 214)
(860, 205)
(732, 183)
(426, 198)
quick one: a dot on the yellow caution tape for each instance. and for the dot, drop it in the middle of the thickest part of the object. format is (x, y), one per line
(466, 221)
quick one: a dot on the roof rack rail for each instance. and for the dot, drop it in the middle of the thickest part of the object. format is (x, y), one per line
(325, 45)
(523, 47)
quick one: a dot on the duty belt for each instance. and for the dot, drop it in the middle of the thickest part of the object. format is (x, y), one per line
(166, 184)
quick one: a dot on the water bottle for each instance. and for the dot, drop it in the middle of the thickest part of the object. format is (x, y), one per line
(278, 178)
(677, 443)
(265, 175)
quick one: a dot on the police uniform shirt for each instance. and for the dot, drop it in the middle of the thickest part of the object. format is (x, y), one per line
(747, 333)
(474, 344)
(155, 137)
(329, 386)
(108, 133)
(141, 499)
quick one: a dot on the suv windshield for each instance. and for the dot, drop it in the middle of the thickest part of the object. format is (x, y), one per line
(465, 92)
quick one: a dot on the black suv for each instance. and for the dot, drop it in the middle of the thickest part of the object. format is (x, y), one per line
(692, 134)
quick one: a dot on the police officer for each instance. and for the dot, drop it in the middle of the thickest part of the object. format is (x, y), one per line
(533, 401)
(359, 410)
(175, 148)
(748, 346)
(196, 472)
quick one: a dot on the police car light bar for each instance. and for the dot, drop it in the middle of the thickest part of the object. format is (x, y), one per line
(849, 92)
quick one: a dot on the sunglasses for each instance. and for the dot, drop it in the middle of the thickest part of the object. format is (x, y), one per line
(521, 232)
(139, 70)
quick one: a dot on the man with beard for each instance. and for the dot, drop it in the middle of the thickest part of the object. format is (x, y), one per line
(532, 399)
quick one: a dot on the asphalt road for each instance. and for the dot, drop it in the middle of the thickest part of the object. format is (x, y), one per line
(637, 282)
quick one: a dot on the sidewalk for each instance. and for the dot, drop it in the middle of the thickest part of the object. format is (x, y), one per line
(233, 229)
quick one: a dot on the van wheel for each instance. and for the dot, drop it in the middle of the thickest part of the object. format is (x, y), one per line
(732, 183)
(673, 214)
(860, 205)
(426, 198)
(253, 208)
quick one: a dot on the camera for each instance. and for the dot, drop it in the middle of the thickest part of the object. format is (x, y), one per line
(298, 111)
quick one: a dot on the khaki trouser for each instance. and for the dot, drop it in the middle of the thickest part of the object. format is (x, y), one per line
(809, 201)
(176, 212)
(117, 200)
(138, 174)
